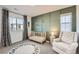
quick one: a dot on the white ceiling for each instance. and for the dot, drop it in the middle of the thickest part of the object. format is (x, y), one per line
(34, 10)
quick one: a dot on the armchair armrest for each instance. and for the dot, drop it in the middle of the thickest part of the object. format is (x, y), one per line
(74, 45)
(56, 40)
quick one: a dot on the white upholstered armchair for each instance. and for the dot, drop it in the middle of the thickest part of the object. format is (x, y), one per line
(66, 43)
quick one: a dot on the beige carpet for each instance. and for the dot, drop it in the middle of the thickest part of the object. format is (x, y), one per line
(45, 48)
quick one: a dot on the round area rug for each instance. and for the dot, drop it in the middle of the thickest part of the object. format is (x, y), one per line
(25, 49)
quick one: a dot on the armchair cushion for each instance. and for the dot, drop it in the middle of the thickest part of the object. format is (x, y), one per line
(56, 40)
(68, 37)
(37, 38)
(64, 47)
(74, 45)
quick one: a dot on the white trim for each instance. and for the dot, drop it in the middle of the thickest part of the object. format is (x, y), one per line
(70, 13)
(65, 14)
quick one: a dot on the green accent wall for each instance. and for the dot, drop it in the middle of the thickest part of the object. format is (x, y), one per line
(55, 21)
(45, 23)
(51, 21)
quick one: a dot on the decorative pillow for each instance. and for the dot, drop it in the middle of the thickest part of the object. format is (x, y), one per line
(68, 37)
(38, 34)
(32, 33)
(42, 34)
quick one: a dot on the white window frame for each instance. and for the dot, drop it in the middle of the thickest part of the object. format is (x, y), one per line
(15, 24)
(65, 22)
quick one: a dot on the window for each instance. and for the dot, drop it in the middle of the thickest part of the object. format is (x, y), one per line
(19, 24)
(16, 23)
(66, 22)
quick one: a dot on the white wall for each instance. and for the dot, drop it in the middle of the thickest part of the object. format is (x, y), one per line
(0, 24)
(77, 18)
(29, 28)
(15, 15)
